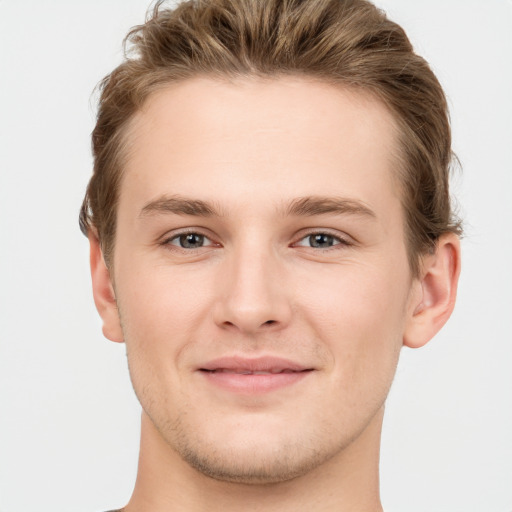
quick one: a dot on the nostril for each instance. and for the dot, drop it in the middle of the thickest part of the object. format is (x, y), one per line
(269, 322)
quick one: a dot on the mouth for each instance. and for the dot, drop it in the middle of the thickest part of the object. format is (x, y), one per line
(242, 371)
(253, 376)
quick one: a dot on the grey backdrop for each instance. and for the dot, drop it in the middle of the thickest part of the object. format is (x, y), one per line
(68, 417)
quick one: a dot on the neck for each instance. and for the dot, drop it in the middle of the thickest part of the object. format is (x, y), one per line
(348, 482)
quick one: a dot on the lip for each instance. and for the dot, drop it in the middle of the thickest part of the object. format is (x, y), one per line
(253, 375)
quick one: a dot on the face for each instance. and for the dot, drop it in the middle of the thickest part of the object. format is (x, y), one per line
(261, 272)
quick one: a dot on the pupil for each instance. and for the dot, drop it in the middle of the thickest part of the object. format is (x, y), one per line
(321, 240)
(191, 240)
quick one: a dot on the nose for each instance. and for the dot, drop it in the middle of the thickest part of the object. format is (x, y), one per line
(252, 293)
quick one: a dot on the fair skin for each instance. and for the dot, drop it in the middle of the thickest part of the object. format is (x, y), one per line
(260, 229)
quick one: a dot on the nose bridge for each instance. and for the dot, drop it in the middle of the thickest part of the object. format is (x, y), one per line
(253, 296)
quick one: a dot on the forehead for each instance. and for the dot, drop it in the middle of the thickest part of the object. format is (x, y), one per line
(284, 138)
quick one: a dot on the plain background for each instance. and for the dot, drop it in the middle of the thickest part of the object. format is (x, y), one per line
(69, 422)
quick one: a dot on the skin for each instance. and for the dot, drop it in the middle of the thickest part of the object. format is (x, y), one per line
(261, 284)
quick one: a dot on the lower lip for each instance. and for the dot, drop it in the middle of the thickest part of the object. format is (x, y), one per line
(253, 384)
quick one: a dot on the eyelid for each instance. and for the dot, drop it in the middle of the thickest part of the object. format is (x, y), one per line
(175, 234)
(172, 240)
(342, 238)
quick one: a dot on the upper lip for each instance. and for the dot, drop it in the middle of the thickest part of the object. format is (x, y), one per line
(269, 364)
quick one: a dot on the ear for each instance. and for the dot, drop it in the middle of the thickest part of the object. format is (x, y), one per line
(434, 292)
(103, 291)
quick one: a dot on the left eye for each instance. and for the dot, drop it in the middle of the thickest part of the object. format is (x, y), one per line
(320, 241)
(190, 241)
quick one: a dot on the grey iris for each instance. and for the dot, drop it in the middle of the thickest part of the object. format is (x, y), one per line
(191, 241)
(321, 241)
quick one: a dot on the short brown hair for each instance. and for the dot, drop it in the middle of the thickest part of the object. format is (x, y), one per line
(344, 42)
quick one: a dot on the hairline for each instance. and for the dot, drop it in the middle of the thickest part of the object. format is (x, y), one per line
(398, 159)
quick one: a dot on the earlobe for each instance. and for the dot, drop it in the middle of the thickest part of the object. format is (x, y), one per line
(436, 290)
(103, 291)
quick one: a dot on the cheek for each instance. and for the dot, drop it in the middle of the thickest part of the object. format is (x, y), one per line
(160, 311)
(163, 296)
(355, 298)
(159, 315)
(360, 316)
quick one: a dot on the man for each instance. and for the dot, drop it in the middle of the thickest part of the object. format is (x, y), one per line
(270, 223)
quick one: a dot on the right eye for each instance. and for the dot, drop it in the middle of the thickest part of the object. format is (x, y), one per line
(190, 241)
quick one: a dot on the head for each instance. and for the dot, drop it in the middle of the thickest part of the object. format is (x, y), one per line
(348, 43)
(270, 181)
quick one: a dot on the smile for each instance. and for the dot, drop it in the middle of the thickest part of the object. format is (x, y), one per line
(248, 376)
(241, 371)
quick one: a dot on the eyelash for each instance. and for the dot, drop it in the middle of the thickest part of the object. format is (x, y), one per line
(338, 241)
(176, 237)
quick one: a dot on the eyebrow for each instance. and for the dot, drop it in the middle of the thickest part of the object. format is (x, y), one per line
(181, 206)
(302, 206)
(319, 205)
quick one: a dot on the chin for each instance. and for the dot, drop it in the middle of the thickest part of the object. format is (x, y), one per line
(252, 453)
(252, 467)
